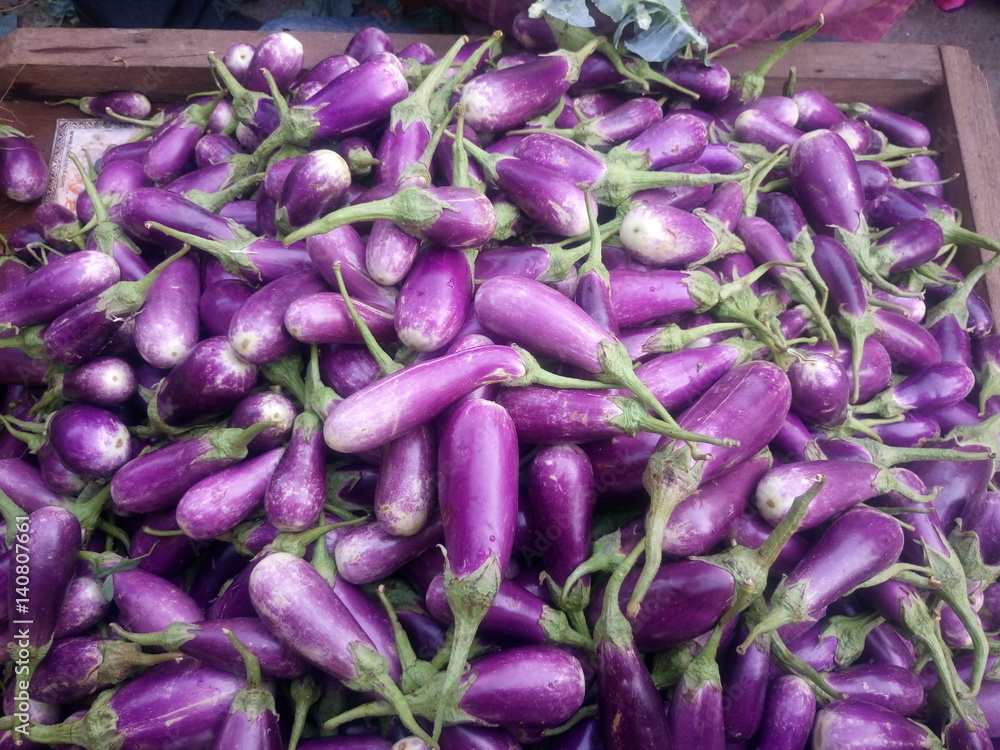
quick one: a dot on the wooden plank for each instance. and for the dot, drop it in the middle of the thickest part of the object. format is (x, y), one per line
(970, 149)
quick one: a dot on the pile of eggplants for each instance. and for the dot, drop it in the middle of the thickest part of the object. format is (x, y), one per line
(525, 395)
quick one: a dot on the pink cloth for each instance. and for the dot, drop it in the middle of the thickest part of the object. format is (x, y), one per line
(738, 22)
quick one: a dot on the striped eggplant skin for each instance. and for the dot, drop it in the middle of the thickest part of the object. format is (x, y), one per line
(788, 714)
(148, 603)
(525, 686)
(394, 405)
(825, 181)
(849, 724)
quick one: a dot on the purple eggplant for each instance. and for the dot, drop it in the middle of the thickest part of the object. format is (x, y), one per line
(58, 286)
(105, 381)
(265, 406)
(182, 702)
(345, 246)
(434, 300)
(315, 186)
(157, 479)
(219, 502)
(23, 168)
(319, 75)
(148, 603)
(788, 714)
(849, 724)
(825, 181)
(302, 610)
(281, 54)
(167, 327)
(296, 490)
(503, 98)
(77, 667)
(90, 440)
(210, 379)
(477, 462)
(674, 472)
(875, 542)
(253, 718)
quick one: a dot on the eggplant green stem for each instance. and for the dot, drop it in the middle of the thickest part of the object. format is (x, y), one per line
(386, 364)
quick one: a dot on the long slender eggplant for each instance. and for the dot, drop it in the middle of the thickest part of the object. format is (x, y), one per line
(788, 715)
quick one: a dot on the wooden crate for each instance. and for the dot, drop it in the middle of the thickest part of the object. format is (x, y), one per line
(940, 85)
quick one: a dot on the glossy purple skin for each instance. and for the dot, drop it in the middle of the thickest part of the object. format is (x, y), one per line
(821, 389)
(788, 714)
(549, 197)
(477, 491)
(678, 378)
(502, 99)
(300, 608)
(259, 730)
(211, 379)
(409, 397)
(825, 181)
(857, 545)
(816, 111)
(209, 179)
(884, 645)
(850, 724)
(58, 286)
(895, 688)
(627, 120)
(631, 710)
(316, 185)
(661, 235)
(18, 368)
(875, 371)
(390, 252)
(369, 553)
(641, 296)
(209, 644)
(265, 406)
(156, 480)
(540, 319)
(915, 429)
(908, 245)
(69, 672)
(900, 129)
(321, 74)
(371, 616)
(838, 270)
(687, 598)
(939, 384)
(47, 542)
(515, 614)
(175, 704)
(106, 381)
(710, 80)
(360, 99)
(550, 416)
(561, 499)
(145, 204)
(345, 246)
(875, 180)
(148, 603)
(847, 484)
(860, 138)
(922, 168)
(468, 737)
(219, 502)
(282, 55)
(256, 331)
(215, 148)
(434, 300)
(696, 716)
(563, 155)
(760, 127)
(23, 169)
(677, 138)
(171, 148)
(406, 492)
(367, 42)
(960, 483)
(953, 340)
(530, 686)
(323, 318)
(168, 326)
(896, 207)
(164, 556)
(347, 367)
(983, 517)
(90, 440)
(296, 490)
(744, 689)
(83, 606)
